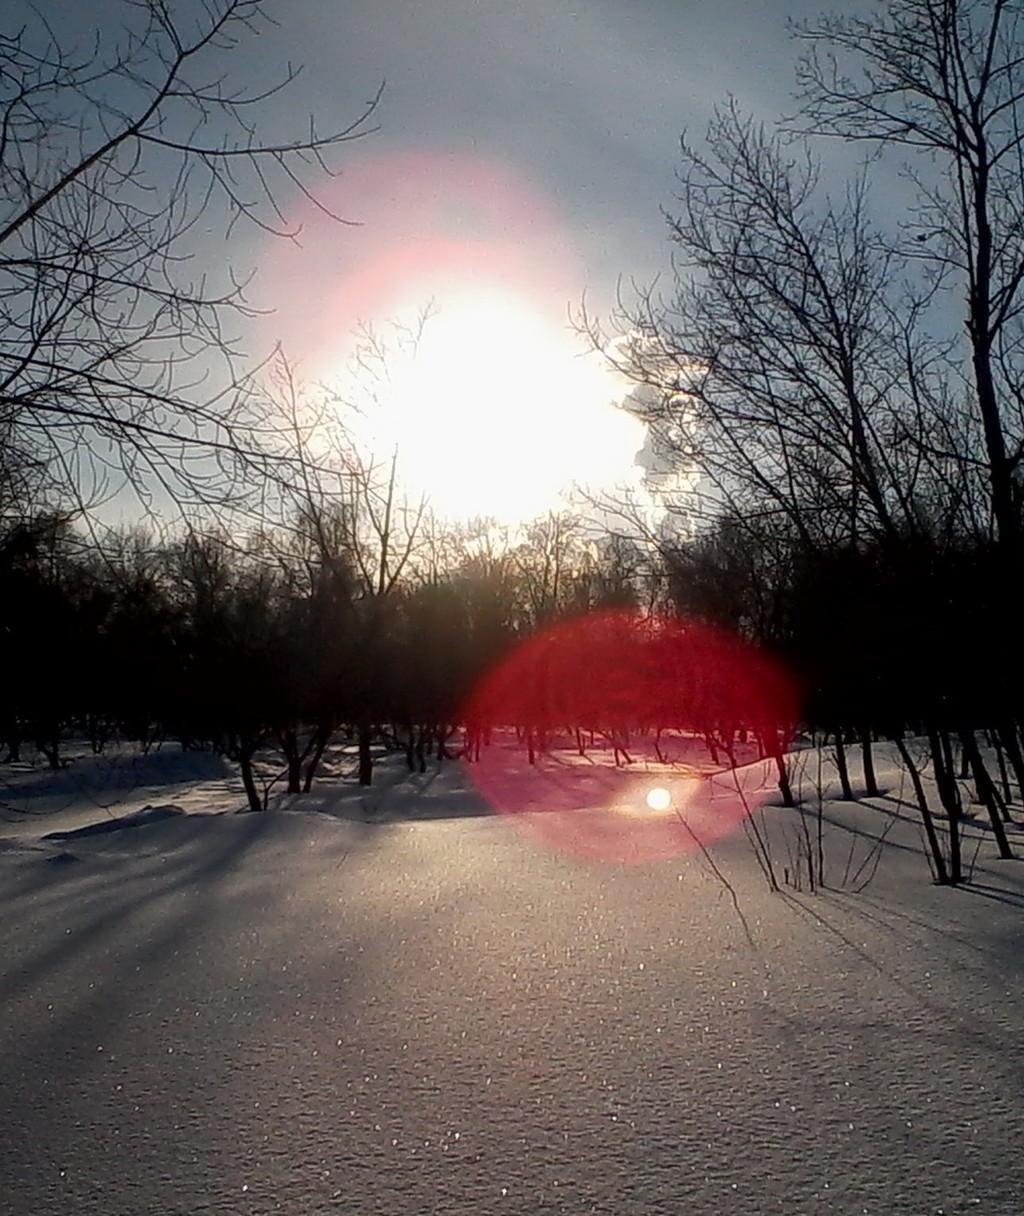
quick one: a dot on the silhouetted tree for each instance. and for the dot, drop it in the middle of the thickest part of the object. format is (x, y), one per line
(944, 81)
(116, 353)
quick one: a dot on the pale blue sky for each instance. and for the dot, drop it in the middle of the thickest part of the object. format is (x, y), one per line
(585, 98)
(582, 101)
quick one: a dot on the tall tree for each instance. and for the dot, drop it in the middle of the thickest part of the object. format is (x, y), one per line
(116, 348)
(778, 363)
(944, 80)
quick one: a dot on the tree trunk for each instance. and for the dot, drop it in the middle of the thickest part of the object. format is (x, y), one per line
(770, 747)
(290, 746)
(950, 771)
(246, 751)
(473, 740)
(946, 786)
(784, 786)
(841, 765)
(1004, 775)
(320, 741)
(51, 750)
(941, 873)
(870, 782)
(988, 792)
(1009, 740)
(365, 757)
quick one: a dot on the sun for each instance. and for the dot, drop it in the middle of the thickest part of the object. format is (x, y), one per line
(497, 413)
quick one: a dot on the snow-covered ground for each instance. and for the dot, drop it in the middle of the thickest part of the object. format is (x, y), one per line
(393, 1002)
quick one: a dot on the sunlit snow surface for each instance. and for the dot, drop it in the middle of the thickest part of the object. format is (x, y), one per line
(395, 1004)
(594, 809)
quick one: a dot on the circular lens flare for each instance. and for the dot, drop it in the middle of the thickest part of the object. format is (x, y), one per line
(621, 738)
(658, 799)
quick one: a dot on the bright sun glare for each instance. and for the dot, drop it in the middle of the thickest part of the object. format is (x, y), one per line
(498, 414)
(659, 799)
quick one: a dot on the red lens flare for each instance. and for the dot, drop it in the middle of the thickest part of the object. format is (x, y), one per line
(620, 738)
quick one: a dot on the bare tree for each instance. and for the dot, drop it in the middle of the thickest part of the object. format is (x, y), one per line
(944, 80)
(778, 365)
(387, 523)
(312, 546)
(550, 553)
(119, 353)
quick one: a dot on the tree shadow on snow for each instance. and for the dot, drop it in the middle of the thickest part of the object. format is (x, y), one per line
(398, 796)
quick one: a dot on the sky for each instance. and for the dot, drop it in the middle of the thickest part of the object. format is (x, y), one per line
(584, 101)
(579, 106)
(522, 154)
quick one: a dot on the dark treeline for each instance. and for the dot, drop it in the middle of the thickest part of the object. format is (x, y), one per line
(910, 641)
(272, 645)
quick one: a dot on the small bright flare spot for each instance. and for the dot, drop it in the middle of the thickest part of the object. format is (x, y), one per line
(659, 799)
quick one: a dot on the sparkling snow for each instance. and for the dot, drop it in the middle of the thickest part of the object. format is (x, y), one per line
(372, 1008)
